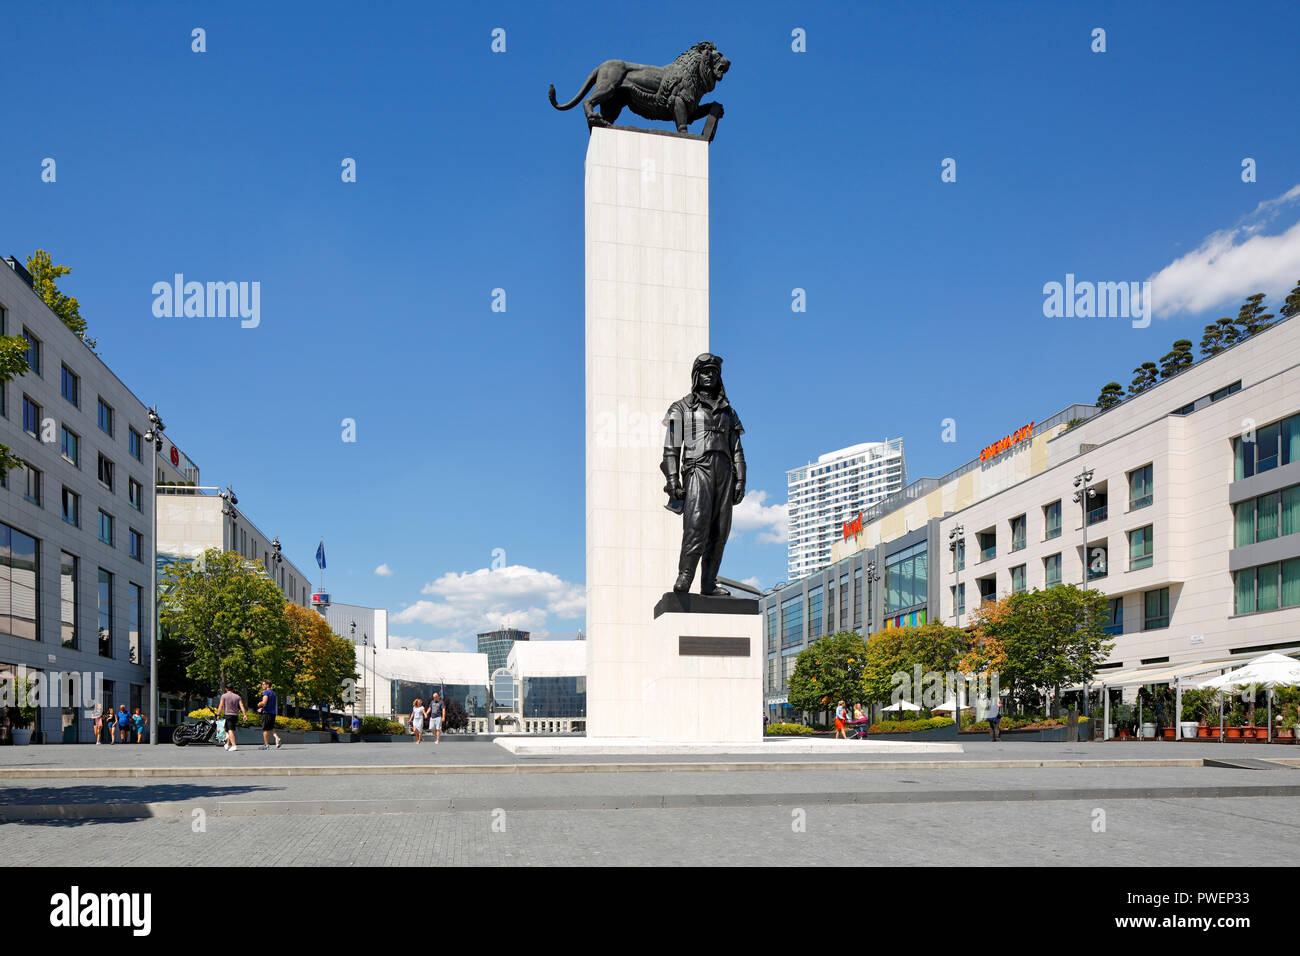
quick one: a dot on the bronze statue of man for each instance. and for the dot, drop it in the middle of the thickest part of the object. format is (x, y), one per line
(705, 467)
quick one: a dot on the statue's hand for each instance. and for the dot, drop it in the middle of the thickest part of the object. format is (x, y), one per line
(738, 495)
(675, 489)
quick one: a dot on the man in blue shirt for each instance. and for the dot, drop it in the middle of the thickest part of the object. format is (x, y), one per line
(267, 709)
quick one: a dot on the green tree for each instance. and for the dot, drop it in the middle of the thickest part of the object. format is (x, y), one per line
(13, 362)
(45, 276)
(1252, 318)
(321, 660)
(231, 616)
(1049, 638)
(1144, 376)
(827, 671)
(1292, 304)
(1112, 393)
(901, 650)
(1177, 359)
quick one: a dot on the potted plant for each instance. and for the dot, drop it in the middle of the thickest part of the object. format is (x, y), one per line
(24, 715)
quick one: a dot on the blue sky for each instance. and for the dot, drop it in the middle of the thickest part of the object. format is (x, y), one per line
(924, 298)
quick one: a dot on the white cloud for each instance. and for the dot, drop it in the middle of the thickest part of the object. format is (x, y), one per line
(461, 644)
(770, 521)
(511, 596)
(1233, 263)
(752, 582)
(384, 571)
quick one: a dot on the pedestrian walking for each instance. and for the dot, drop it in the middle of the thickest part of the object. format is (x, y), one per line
(230, 706)
(137, 725)
(437, 711)
(995, 719)
(417, 719)
(122, 725)
(841, 716)
(267, 708)
(97, 713)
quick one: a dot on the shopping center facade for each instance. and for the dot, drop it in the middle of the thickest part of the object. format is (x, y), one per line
(1191, 527)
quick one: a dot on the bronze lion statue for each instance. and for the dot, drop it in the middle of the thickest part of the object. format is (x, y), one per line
(671, 92)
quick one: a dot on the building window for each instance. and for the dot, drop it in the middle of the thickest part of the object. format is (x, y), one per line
(105, 472)
(1018, 579)
(105, 418)
(1272, 446)
(136, 542)
(857, 599)
(906, 578)
(1098, 561)
(959, 556)
(772, 645)
(31, 484)
(134, 494)
(1052, 570)
(792, 621)
(1017, 533)
(71, 507)
(988, 589)
(70, 445)
(133, 626)
(1267, 587)
(1267, 517)
(1155, 609)
(70, 386)
(31, 417)
(1141, 489)
(844, 602)
(106, 528)
(33, 353)
(68, 598)
(814, 612)
(830, 603)
(959, 599)
(1052, 521)
(988, 542)
(1114, 623)
(135, 444)
(19, 583)
(105, 613)
(1141, 548)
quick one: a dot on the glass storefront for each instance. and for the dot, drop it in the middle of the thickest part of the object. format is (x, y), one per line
(554, 697)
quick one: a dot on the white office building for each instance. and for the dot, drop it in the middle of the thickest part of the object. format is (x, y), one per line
(832, 492)
(75, 604)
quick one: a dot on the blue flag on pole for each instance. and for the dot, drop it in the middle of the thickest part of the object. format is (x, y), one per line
(320, 554)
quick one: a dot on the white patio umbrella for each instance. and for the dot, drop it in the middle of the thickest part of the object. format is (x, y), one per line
(1269, 671)
(900, 706)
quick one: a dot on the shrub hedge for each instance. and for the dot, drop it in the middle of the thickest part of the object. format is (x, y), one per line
(254, 720)
(788, 730)
(907, 726)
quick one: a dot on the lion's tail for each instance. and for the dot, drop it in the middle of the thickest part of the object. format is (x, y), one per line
(586, 87)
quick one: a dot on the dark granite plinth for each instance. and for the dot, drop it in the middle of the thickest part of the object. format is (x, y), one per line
(674, 602)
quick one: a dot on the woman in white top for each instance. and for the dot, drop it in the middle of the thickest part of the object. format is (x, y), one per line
(417, 720)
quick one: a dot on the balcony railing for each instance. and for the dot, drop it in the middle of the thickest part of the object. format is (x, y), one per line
(1097, 514)
(988, 554)
(1140, 502)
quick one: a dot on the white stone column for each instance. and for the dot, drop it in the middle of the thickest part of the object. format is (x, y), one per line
(647, 318)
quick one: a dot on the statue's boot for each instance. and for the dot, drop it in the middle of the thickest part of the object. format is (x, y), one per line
(709, 576)
(684, 579)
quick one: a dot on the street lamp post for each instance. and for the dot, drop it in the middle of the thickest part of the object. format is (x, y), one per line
(1084, 494)
(955, 539)
(154, 437)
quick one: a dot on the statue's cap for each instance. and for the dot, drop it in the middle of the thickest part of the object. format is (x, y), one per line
(701, 361)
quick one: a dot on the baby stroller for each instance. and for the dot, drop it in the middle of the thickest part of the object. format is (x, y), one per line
(857, 729)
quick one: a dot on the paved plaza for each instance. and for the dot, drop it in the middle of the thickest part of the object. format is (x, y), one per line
(473, 803)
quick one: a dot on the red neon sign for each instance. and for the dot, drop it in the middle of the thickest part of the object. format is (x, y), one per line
(1002, 444)
(853, 527)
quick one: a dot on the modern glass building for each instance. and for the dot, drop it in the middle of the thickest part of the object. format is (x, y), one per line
(496, 645)
(551, 678)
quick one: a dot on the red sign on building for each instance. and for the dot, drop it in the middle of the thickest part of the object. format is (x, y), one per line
(852, 527)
